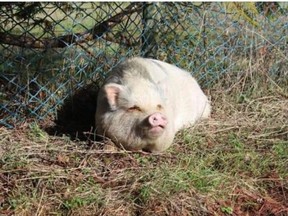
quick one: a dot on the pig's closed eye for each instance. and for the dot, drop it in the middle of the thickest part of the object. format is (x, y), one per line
(134, 108)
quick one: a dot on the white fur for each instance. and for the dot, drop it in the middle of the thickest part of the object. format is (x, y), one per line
(149, 82)
(187, 101)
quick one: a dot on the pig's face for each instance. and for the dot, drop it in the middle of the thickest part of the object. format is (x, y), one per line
(136, 115)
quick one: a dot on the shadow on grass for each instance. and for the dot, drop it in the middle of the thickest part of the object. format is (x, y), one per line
(76, 116)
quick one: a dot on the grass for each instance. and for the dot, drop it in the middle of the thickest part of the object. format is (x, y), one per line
(232, 164)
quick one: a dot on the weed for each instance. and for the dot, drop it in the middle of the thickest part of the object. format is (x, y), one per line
(227, 210)
(36, 133)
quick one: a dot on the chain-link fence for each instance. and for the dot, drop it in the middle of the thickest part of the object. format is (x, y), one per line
(50, 50)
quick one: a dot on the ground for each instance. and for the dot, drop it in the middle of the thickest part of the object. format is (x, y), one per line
(235, 163)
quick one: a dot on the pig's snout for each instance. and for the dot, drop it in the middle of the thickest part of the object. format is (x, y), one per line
(157, 120)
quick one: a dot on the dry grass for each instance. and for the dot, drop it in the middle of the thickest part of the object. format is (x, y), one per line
(233, 164)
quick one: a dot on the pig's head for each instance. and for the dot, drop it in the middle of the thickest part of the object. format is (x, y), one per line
(135, 116)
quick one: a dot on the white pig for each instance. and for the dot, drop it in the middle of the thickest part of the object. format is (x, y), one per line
(144, 102)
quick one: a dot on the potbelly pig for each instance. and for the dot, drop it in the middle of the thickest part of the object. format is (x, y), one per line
(144, 102)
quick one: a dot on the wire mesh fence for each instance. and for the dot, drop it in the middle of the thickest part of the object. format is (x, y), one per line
(50, 50)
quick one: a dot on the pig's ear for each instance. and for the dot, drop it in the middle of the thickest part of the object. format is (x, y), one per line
(112, 91)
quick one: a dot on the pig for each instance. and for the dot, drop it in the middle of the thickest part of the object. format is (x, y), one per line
(144, 102)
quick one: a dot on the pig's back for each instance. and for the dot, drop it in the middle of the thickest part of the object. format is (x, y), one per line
(185, 97)
(143, 68)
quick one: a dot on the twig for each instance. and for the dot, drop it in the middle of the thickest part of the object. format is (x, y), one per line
(38, 212)
(269, 134)
(225, 129)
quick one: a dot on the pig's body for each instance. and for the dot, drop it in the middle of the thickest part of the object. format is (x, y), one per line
(145, 102)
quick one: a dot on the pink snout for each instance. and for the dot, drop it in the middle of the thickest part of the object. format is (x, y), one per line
(157, 120)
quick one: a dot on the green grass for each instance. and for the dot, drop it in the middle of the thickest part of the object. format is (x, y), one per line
(232, 164)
